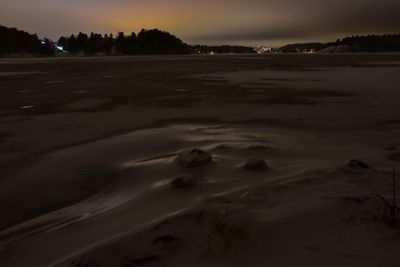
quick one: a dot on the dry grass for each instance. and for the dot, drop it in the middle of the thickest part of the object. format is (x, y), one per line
(387, 209)
(224, 233)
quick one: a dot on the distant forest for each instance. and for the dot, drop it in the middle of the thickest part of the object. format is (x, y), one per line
(147, 42)
(372, 43)
(353, 44)
(14, 42)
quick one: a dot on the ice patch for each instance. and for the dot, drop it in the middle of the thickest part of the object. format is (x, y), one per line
(27, 107)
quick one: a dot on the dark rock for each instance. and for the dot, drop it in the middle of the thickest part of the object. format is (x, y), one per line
(255, 165)
(358, 164)
(183, 182)
(194, 158)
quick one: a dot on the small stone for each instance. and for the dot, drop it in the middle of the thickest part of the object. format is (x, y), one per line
(255, 165)
(355, 163)
(194, 158)
(183, 182)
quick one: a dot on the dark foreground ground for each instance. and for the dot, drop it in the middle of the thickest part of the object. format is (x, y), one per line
(74, 130)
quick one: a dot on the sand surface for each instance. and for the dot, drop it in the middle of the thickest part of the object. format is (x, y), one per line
(89, 148)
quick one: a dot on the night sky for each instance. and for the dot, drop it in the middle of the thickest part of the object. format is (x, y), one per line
(250, 22)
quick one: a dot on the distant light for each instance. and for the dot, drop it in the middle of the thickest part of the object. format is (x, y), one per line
(43, 42)
(60, 48)
(263, 50)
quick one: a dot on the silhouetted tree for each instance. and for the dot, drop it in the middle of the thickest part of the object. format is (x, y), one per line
(131, 43)
(94, 45)
(120, 43)
(82, 42)
(108, 44)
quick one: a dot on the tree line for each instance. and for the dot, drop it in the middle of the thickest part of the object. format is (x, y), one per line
(157, 42)
(146, 42)
(16, 42)
(372, 43)
(354, 44)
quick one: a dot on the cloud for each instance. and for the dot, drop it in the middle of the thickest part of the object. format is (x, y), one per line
(209, 21)
(314, 21)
